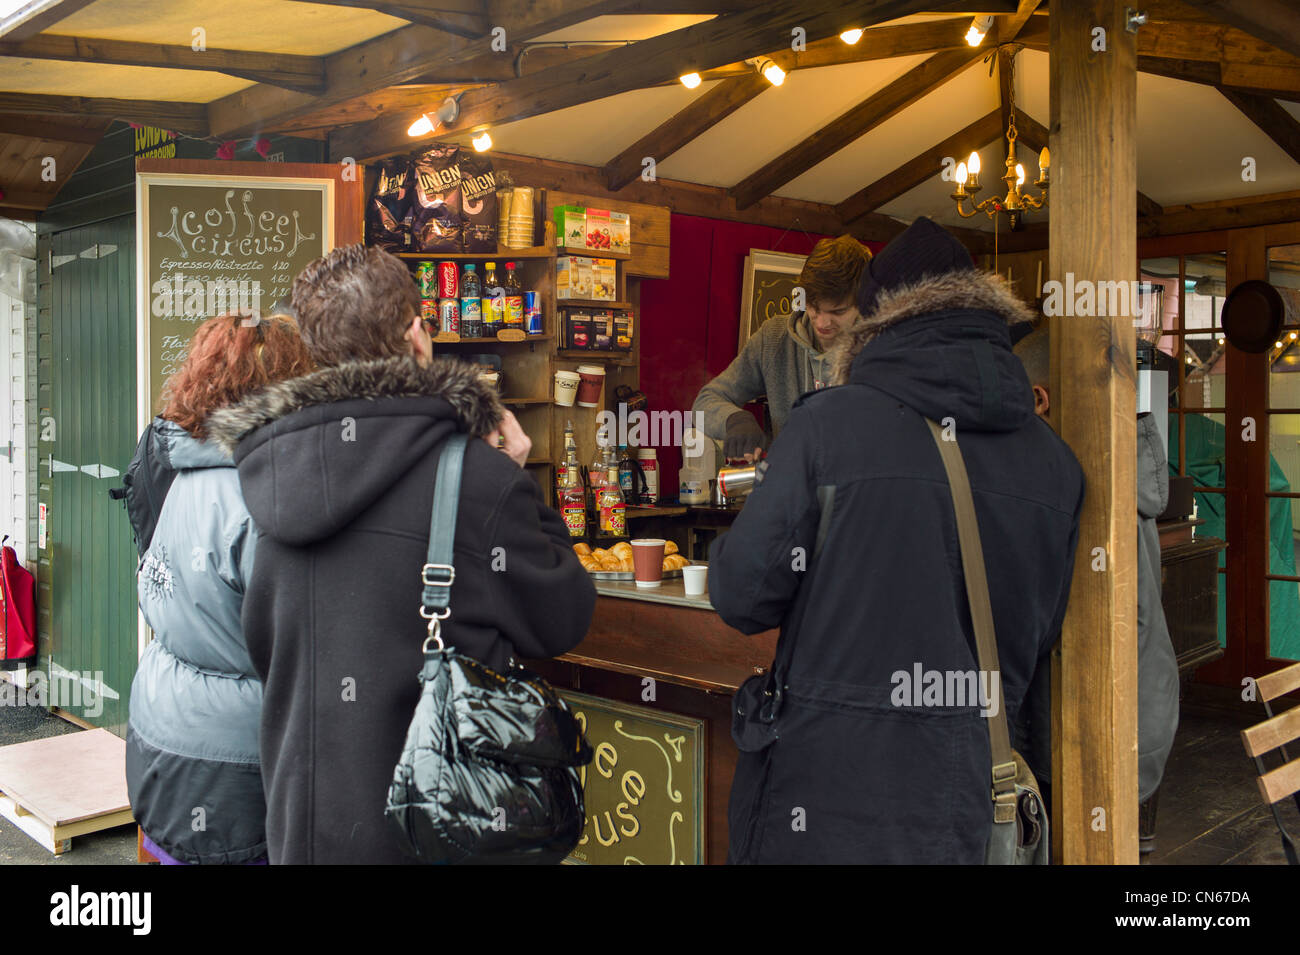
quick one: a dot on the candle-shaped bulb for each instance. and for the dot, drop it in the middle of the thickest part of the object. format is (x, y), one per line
(1044, 161)
(1020, 174)
(960, 175)
(973, 164)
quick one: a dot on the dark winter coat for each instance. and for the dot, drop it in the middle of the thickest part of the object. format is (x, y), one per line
(191, 741)
(338, 473)
(861, 773)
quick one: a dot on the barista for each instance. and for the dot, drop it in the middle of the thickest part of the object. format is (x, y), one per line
(788, 354)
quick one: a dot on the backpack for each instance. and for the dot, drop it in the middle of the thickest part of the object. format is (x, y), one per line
(17, 611)
(144, 486)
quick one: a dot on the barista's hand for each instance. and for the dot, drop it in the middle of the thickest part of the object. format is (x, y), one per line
(517, 444)
(744, 438)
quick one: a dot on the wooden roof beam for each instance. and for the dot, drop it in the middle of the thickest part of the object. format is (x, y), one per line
(188, 118)
(853, 124)
(1274, 121)
(467, 18)
(679, 129)
(388, 60)
(37, 15)
(48, 130)
(645, 63)
(920, 168)
(1273, 21)
(303, 73)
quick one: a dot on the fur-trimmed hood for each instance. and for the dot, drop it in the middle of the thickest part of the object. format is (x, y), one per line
(475, 404)
(315, 452)
(948, 352)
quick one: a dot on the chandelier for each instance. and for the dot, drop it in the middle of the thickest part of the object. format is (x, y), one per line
(1015, 202)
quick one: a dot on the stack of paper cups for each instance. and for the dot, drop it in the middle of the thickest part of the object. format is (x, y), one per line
(520, 219)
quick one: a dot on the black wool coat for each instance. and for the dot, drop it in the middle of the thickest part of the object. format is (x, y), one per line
(337, 469)
(866, 768)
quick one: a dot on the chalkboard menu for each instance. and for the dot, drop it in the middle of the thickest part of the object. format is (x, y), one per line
(770, 278)
(210, 245)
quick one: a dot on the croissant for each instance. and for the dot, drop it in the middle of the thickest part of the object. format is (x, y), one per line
(622, 550)
(626, 564)
(588, 564)
(600, 553)
(610, 562)
(582, 549)
(675, 562)
(669, 549)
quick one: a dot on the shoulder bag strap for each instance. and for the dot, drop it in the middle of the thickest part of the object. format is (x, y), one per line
(439, 571)
(981, 609)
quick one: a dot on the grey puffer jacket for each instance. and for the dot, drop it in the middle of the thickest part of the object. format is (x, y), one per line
(192, 766)
(781, 361)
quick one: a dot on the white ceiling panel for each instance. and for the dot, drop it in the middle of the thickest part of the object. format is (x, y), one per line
(779, 119)
(630, 27)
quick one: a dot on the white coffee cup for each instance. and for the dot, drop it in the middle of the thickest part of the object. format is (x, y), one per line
(566, 388)
(695, 579)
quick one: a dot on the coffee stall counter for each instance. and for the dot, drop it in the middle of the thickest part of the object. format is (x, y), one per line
(652, 682)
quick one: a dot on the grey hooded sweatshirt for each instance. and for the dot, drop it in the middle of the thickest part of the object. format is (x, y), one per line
(781, 361)
(192, 768)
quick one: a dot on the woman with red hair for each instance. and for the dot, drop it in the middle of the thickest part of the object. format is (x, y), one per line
(192, 766)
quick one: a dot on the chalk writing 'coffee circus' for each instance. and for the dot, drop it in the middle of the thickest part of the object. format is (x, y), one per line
(223, 233)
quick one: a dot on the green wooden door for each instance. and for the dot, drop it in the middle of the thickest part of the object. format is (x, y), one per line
(86, 379)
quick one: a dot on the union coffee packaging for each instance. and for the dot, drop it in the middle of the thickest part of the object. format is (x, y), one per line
(478, 202)
(437, 225)
(388, 214)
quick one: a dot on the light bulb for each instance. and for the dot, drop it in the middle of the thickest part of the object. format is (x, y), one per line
(1277, 344)
(690, 80)
(960, 175)
(775, 75)
(482, 142)
(421, 127)
(1044, 160)
(1020, 174)
(1293, 336)
(973, 164)
(978, 27)
(851, 36)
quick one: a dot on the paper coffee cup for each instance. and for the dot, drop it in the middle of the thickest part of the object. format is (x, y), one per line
(491, 379)
(566, 387)
(695, 579)
(648, 561)
(593, 379)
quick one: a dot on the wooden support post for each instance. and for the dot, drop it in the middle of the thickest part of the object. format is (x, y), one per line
(1094, 237)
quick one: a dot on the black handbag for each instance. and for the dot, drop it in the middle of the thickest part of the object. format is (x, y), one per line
(489, 770)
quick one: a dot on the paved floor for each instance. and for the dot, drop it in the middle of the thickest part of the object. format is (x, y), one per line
(1210, 812)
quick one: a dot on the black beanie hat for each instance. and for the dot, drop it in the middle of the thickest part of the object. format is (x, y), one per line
(923, 248)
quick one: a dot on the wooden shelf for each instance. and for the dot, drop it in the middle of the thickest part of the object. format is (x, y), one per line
(590, 303)
(594, 253)
(451, 338)
(537, 462)
(580, 354)
(521, 402)
(501, 255)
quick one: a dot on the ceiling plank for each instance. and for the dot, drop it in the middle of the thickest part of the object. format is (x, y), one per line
(22, 215)
(468, 20)
(645, 63)
(1274, 121)
(188, 118)
(920, 168)
(33, 17)
(25, 199)
(1243, 215)
(388, 60)
(671, 135)
(853, 124)
(50, 131)
(1274, 21)
(304, 73)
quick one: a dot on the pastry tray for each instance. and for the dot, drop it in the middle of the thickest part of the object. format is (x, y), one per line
(629, 575)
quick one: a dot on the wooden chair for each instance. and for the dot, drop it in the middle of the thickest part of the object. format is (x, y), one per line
(1274, 733)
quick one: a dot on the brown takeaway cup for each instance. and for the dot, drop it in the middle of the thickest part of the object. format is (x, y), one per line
(648, 562)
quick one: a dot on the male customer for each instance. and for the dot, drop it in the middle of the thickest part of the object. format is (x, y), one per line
(1157, 663)
(338, 469)
(787, 356)
(849, 545)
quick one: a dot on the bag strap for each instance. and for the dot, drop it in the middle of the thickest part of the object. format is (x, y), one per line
(981, 610)
(439, 571)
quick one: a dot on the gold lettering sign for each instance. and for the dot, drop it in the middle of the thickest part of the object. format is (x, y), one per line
(644, 788)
